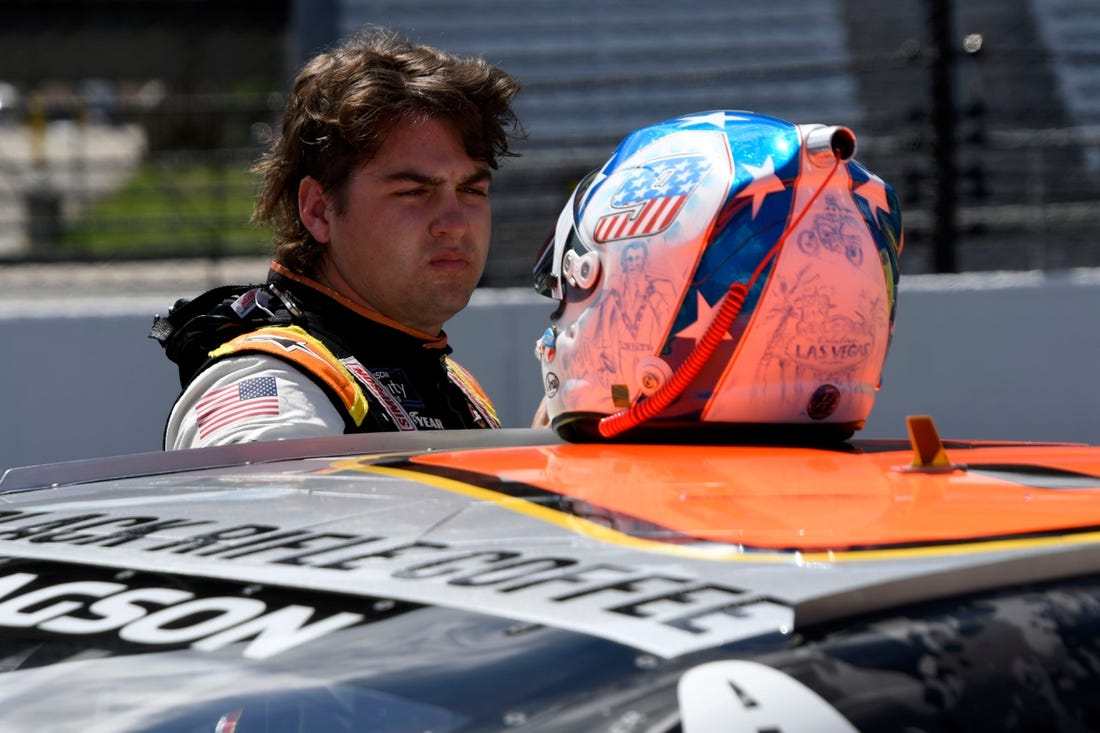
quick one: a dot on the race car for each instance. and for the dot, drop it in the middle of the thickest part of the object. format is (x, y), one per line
(508, 580)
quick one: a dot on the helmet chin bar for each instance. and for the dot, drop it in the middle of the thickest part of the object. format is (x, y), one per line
(646, 408)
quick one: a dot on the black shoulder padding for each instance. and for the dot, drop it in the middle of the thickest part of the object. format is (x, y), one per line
(195, 327)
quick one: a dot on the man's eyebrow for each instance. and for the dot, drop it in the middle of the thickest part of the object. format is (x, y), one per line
(481, 174)
(478, 176)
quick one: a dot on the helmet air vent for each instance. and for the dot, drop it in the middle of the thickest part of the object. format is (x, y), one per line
(827, 145)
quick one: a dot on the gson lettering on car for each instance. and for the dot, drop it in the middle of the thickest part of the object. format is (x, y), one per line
(139, 614)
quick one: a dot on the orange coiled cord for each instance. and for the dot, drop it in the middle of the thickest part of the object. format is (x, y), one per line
(639, 412)
(612, 425)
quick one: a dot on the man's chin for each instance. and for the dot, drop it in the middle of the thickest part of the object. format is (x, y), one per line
(447, 301)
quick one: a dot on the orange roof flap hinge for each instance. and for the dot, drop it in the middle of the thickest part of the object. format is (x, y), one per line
(929, 455)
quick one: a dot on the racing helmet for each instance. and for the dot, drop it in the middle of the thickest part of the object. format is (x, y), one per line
(722, 270)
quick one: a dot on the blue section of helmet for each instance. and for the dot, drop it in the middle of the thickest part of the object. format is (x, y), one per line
(741, 236)
(713, 120)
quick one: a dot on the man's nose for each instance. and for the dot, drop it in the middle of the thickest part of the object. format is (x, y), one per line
(450, 218)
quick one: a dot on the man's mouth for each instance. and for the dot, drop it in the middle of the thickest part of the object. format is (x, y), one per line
(450, 261)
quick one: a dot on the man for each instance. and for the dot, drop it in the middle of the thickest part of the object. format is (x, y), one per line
(378, 194)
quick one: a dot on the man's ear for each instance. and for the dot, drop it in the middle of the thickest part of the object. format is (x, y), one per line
(313, 208)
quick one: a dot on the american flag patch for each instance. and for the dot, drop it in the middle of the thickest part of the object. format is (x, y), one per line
(227, 405)
(650, 199)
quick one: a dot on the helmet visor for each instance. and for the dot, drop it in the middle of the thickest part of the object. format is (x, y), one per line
(543, 270)
(547, 271)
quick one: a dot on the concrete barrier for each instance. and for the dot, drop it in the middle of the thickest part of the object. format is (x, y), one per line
(1005, 356)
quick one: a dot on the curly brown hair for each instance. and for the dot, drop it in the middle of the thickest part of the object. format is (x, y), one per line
(344, 102)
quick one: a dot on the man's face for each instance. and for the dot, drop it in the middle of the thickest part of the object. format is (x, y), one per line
(634, 259)
(412, 237)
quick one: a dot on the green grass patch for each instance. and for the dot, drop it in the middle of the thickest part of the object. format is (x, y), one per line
(171, 211)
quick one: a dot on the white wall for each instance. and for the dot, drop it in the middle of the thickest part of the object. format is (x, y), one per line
(990, 356)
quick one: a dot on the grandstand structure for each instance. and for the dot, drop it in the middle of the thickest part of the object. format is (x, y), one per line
(984, 114)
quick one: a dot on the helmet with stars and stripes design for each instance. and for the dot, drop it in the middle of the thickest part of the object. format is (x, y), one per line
(725, 270)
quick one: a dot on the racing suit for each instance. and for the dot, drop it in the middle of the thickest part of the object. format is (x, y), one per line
(295, 359)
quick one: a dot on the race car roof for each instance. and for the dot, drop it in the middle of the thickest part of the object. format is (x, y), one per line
(671, 548)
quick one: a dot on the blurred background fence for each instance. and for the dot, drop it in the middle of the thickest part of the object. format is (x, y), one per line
(127, 128)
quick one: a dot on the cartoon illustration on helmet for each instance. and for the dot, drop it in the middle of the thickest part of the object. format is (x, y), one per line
(726, 270)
